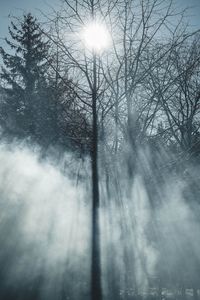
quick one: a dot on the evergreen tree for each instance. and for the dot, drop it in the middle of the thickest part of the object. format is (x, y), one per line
(23, 76)
(37, 103)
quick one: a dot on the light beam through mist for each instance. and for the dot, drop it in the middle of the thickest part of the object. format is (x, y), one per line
(149, 232)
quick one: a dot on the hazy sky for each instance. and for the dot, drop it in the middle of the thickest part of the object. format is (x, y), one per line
(14, 7)
(18, 7)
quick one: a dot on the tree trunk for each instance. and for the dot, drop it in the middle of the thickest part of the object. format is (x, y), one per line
(96, 292)
(195, 293)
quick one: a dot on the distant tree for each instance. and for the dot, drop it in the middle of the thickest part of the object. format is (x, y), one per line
(176, 88)
(23, 76)
(68, 124)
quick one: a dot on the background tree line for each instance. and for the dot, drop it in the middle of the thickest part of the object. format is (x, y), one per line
(41, 99)
(37, 102)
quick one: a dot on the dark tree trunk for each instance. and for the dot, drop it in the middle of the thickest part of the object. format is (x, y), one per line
(96, 291)
(183, 292)
(160, 290)
(195, 293)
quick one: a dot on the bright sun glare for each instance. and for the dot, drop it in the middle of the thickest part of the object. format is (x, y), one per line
(95, 37)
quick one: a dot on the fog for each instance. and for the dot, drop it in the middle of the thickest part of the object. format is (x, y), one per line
(44, 228)
(149, 234)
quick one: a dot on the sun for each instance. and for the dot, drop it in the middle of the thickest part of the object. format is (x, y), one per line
(95, 37)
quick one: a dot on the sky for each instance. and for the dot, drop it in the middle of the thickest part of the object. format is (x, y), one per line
(17, 7)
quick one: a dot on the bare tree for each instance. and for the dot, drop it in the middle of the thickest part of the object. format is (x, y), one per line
(176, 87)
(116, 88)
(84, 66)
(137, 28)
